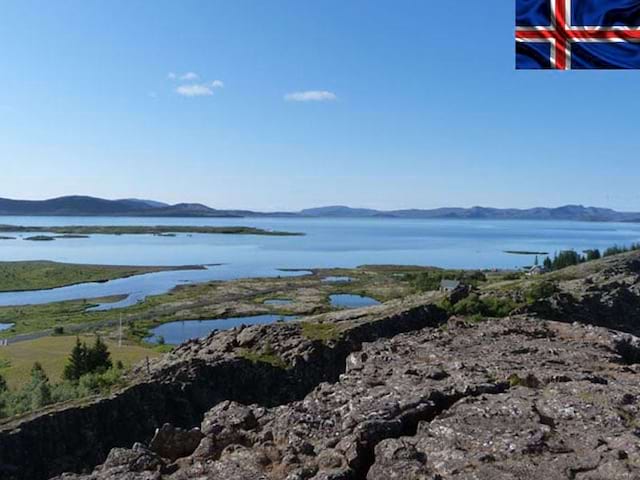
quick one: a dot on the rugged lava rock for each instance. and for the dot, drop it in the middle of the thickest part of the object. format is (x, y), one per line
(604, 292)
(266, 365)
(502, 399)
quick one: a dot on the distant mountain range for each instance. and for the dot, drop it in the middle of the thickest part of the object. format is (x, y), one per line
(98, 207)
(567, 212)
(133, 207)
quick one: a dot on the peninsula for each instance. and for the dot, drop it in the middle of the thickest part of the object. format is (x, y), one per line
(79, 231)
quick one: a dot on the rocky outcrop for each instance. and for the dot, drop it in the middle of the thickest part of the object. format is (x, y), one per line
(267, 365)
(502, 399)
(604, 293)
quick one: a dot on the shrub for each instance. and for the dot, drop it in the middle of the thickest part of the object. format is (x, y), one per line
(512, 276)
(474, 305)
(540, 290)
(429, 280)
(38, 392)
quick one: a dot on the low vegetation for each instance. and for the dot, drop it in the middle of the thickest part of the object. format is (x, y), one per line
(323, 332)
(484, 306)
(88, 371)
(59, 317)
(429, 280)
(264, 355)
(52, 353)
(40, 275)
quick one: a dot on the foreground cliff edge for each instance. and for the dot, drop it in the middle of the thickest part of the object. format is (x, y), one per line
(396, 391)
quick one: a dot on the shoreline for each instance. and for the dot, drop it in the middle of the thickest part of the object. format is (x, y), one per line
(143, 271)
(158, 230)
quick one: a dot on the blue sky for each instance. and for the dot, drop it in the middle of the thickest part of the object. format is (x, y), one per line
(409, 103)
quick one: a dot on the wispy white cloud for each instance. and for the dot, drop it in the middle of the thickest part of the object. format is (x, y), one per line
(189, 76)
(194, 90)
(311, 96)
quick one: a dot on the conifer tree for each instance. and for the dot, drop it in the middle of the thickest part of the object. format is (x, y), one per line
(39, 388)
(98, 357)
(77, 364)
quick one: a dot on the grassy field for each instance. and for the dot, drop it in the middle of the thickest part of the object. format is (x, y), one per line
(77, 231)
(19, 276)
(309, 294)
(35, 318)
(17, 359)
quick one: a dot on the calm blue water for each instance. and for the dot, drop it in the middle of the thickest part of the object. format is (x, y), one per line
(6, 326)
(332, 279)
(327, 243)
(175, 333)
(352, 301)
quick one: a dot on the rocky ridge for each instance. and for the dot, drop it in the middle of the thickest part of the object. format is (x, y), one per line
(267, 365)
(504, 399)
(604, 293)
(389, 392)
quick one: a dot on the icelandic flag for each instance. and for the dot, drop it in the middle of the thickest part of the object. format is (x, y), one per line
(577, 34)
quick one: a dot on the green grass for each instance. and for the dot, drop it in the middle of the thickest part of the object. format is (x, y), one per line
(38, 275)
(263, 357)
(17, 359)
(140, 230)
(34, 318)
(206, 300)
(320, 331)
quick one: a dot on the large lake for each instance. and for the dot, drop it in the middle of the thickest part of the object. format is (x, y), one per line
(326, 243)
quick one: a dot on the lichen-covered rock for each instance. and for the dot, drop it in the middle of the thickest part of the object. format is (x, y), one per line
(503, 399)
(138, 463)
(275, 364)
(172, 443)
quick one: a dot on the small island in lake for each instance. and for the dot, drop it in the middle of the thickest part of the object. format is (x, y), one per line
(81, 231)
(524, 252)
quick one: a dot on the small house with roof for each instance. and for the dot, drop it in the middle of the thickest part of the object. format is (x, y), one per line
(449, 285)
(535, 270)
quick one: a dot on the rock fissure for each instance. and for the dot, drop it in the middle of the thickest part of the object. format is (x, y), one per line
(431, 404)
(442, 403)
(194, 378)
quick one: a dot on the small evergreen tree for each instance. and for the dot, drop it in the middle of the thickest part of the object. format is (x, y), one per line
(38, 389)
(98, 357)
(77, 364)
(593, 254)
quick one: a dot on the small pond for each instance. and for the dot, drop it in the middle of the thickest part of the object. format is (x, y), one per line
(6, 326)
(337, 279)
(352, 301)
(175, 333)
(278, 301)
